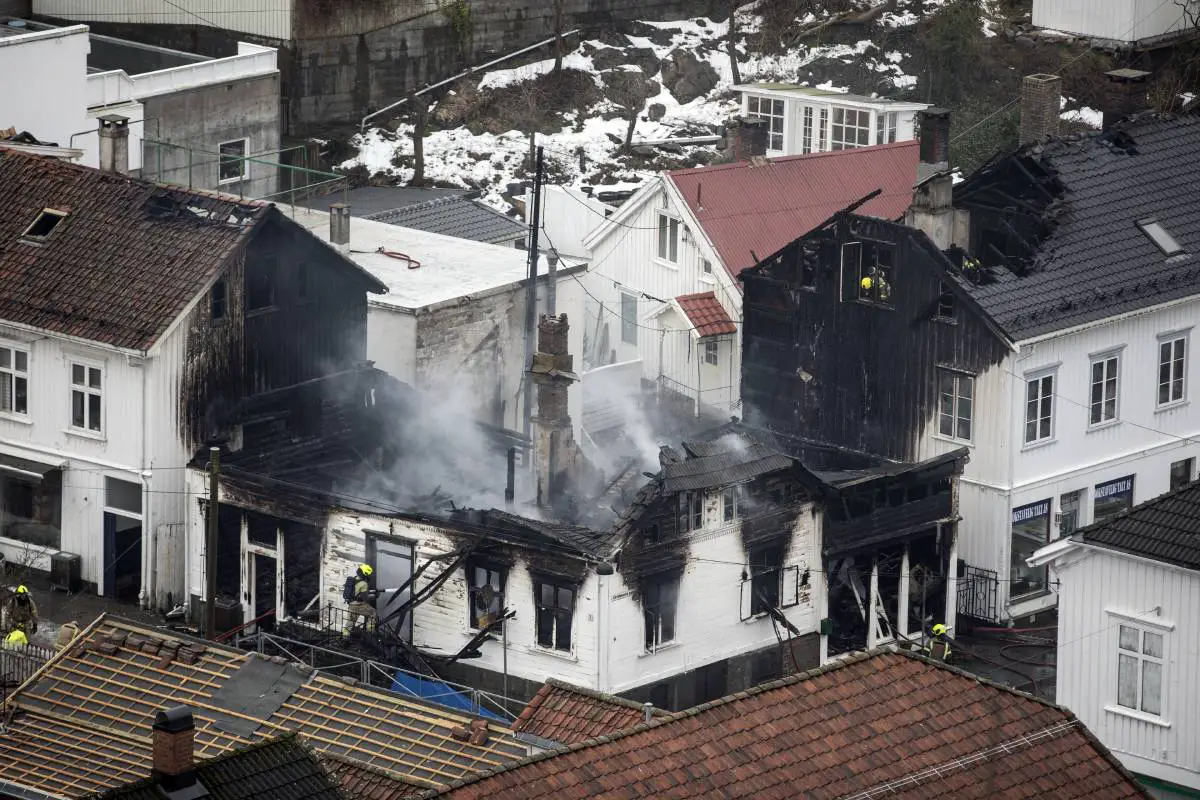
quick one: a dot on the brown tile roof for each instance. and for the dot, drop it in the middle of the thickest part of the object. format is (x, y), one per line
(125, 261)
(103, 692)
(875, 725)
(570, 714)
(366, 783)
(706, 314)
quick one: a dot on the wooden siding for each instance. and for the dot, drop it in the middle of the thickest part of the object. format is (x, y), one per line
(1119, 20)
(269, 18)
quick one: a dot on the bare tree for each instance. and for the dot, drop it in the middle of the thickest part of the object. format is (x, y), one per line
(420, 108)
(558, 36)
(630, 90)
(731, 42)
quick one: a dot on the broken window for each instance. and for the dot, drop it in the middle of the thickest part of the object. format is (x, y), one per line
(219, 299)
(233, 163)
(652, 534)
(659, 596)
(485, 585)
(766, 577)
(729, 503)
(810, 259)
(44, 225)
(711, 352)
(668, 238)
(87, 398)
(1158, 234)
(629, 326)
(555, 602)
(956, 398)
(945, 304)
(691, 511)
(875, 272)
(260, 284)
(851, 128)
(14, 381)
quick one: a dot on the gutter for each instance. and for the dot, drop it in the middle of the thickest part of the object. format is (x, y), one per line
(19, 792)
(1109, 320)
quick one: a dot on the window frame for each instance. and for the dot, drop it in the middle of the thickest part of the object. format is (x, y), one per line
(242, 161)
(1190, 464)
(46, 213)
(558, 585)
(1140, 658)
(776, 112)
(862, 133)
(1041, 400)
(957, 398)
(1080, 495)
(490, 568)
(656, 634)
(823, 138)
(712, 352)
(729, 503)
(219, 288)
(669, 238)
(629, 323)
(1104, 409)
(808, 115)
(689, 511)
(947, 305)
(760, 574)
(1169, 340)
(267, 269)
(1020, 528)
(87, 391)
(16, 377)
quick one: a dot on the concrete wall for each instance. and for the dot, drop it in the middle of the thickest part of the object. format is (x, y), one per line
(58, 59)
(200, 119)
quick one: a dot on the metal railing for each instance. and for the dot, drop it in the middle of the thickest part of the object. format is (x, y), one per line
(18, 665)
(978, 591)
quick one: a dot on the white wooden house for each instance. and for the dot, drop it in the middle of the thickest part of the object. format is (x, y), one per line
(1129, 637)
(1119, 21)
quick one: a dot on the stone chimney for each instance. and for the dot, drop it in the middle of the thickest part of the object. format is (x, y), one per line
(339, 226)
(1125, 95)
(934, 129)
(745, 138)
(174, 734)
(557, 457)
(1041, 104)
(114, 144)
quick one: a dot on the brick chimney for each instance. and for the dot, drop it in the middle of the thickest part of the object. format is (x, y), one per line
(932, 209)
(1041, 103)
(745, 138)
(114, 143)
(339, 226)
(174, 735)
(557, 457)
(1124, 95)
(934, 129)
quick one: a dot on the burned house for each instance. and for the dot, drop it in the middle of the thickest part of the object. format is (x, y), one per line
(134, 318)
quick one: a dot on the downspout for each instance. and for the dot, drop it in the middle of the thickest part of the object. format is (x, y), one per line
(149, 537)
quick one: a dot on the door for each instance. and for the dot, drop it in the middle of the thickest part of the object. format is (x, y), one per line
(263, 590)
(393, 567)
(122, 557)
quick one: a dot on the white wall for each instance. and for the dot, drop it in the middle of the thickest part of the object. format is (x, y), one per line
(1120, 20)
(1100, 591)
(392, 340)
(271, 18)
(44, 89)
(568, 216)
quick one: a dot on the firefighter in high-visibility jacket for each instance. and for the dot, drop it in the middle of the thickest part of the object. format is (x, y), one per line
(16, 639)
(938, 645)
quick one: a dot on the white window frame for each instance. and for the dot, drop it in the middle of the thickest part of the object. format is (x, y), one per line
(1138, 658)
(15, 375)
(806, 145)
(666, 245)
(87, 391)
(1173, 380)
(653, 620)
(1100, 413)
(957, 401)
(823, 132)
(712, 352)
(773, 111)
(1039, 378)
(223, 159)
(836, 143)
(729, 504)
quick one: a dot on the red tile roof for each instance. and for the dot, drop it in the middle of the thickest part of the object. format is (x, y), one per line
(761, 208)
(850, 730)
(366, 783)
(706, 314)
(113, 270)
(570, 714)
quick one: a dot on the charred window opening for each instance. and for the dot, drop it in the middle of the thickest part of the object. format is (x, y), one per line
(810, 260)
(875, 272)
(261, 529)
(260, 284)
(729, 503)
(219, 299)
(946, 310)
(485, 585)
(660, 594)
(555, 601)
(691, 511)
(652, 534)
(766, 577)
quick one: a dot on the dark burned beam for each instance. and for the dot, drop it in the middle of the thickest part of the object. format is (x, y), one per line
(1009, 210)
(429, 590)
(1016, 201)
(471, 648)
(1035, 181)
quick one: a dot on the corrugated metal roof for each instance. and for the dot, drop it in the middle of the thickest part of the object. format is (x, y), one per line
(745, 208)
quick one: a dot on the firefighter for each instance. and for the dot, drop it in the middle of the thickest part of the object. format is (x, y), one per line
(938, 646)
(16, 638)
(21, 610)
(360, 599)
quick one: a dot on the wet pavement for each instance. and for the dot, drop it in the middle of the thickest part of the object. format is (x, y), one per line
(1024, 659)
(57, 608)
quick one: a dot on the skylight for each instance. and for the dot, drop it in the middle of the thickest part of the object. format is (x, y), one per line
(1158, 234)
(44, 225)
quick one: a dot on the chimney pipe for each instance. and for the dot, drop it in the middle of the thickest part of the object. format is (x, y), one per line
(174, 733)
(114, 144)
(1125, 95)
(1041, 104)
(552, 283)
(934, 126)
(647, 712)
(339, 226)
(510, 488)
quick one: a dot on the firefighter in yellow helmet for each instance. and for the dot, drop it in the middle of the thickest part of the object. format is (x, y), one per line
(16, 638)
(21, 610)
(938, 646)
(360, 599)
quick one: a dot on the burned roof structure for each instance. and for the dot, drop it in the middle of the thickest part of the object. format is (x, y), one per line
(1077, 229)
(75, 728)
(879, 724)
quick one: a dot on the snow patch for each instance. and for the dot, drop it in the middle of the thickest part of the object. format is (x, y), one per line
(1089, 116)
(500, 78)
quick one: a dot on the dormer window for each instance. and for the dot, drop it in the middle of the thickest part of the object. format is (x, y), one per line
(1156, 233)
(44, 225)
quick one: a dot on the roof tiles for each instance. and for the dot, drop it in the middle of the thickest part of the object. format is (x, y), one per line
(570, 714)
(747, 209)
(1165, 529)
(844, 731)
(706, 314)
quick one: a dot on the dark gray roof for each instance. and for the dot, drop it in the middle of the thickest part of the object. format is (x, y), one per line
(367, 200)
(1094, 262)
(1165, 529)
(733, 458)
(460, 217)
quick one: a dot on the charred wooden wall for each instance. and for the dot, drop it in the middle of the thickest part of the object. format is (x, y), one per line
(846, 372)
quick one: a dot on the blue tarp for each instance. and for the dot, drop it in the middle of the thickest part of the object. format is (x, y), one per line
(440, 693)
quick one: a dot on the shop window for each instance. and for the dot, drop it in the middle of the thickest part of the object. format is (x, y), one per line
(1069, 503)
(1112, 498)
(1030, 531)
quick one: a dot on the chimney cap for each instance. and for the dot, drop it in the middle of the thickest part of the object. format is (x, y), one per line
(935, 111)
(1126, 75)
(174, 720)
(113, 119)
(338, 206)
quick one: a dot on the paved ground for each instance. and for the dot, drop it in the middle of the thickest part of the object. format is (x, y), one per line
(1020, 658)
(58, 608)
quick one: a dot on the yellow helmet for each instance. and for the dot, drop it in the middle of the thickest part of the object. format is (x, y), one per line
(365, 569)
(939, 629)
(866, 284)
(22, 590)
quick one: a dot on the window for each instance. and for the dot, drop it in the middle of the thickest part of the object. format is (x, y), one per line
(766, 577)
(691, 511)
(956, 394)
(1172, 367)
(219, 298)
(668, 238)
(892, 118)
(945, 304)
(87, 398)
(1112, 498)
(555, 602)
(706, 265)
(1030, 530)
(485, 585)
(1158, 234)
(14, 381)
(233, 166)
(44, 225)
(823, 132)
(851, 128)
(1069, 504)
(1139, 669)
(1103, 406)
(659, 596)
(652, 534)
(123, 495)
(1182, 472)
(729, 504)
(710, 352)
(302, 281)
(772, 112)
(1039, 409)
(260, 284)
(807, 146)
(875, 272)
(629, 326)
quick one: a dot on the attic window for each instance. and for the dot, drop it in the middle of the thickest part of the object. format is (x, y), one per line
(44, 225)
(1158, 234)
(945, 304)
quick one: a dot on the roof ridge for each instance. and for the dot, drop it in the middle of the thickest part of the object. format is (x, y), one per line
(873, 148)
(602, 696)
